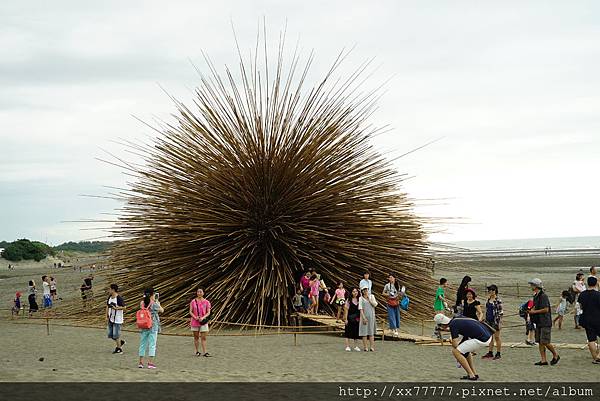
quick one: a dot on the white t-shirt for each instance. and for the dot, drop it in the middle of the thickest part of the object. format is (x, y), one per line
(46, 288)
(365, 283)
(114, 315)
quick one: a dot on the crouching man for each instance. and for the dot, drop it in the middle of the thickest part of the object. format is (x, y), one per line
(474, 335)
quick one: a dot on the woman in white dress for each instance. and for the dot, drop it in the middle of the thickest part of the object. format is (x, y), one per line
(368, 325)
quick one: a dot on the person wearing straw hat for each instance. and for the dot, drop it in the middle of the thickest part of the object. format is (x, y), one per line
(541, 315)
(475, 335)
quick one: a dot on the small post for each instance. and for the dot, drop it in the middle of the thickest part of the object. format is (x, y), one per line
(295, 339)
(422, 327)
(47, 326)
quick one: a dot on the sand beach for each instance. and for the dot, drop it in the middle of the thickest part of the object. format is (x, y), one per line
(84, 354)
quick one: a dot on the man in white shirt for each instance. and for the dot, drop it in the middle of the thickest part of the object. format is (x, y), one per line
(114, 316)
(46, 288)
(365, 282)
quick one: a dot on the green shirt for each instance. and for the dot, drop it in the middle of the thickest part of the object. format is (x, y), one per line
(438, 304)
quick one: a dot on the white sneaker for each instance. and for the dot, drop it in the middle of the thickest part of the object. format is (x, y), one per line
(357, 349)
(348, 349)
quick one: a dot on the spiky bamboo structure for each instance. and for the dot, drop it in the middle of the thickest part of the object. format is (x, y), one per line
(258, 181)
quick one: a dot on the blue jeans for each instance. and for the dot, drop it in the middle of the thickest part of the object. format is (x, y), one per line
(393, 317)
(148, 339)
(305, 301)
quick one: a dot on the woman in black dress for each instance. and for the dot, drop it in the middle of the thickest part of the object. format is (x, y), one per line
(352, 319)
(461, 295)
(471, 306)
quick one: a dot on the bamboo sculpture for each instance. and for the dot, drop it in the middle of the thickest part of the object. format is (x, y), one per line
(258, 181)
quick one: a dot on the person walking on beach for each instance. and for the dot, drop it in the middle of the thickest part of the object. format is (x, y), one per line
(541, 316)
(474, 335)
(561, 309)
(115, 305)
(46, 292)
(440, 304)
(352, 319)
(590, 319)
(31, 298)
(339, 299)
(578, 287)
(298, 303)
(148, 337)
(368, 324)
(461, 295)
(366, 282)
(493, 318)
(199, 312)
(392, 291)
(593, 272)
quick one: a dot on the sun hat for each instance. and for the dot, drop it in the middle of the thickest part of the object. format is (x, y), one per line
(440, 318)
(535, 282)
(364, 287)
(472, 291)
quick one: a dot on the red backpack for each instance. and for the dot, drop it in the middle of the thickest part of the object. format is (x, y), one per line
(143, 317)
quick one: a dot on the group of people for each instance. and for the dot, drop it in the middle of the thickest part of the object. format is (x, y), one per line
(472, 328)
(49, 296)
(355, 308)
(150, 308)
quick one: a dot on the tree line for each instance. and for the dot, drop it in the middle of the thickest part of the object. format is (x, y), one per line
(24, 249)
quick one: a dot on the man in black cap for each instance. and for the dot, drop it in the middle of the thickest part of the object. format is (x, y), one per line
(590, 319)
(541, 315)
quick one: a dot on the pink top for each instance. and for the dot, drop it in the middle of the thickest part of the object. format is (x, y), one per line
(199, 308)
(305, 282)
(314, 288)
(340, 293)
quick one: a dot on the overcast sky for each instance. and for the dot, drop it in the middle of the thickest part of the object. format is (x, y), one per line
(511, 88)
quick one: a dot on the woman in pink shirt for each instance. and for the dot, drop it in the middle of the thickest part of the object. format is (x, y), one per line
(315, 285)
(199, 312)
(339, 298)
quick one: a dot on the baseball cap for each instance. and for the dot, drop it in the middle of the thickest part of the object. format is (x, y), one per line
(440, 318)
(536, 282)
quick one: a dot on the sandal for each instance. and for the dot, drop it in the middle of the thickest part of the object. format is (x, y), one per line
(141, 366)
(476, 377)
(207, 355)
(198, 353)
(540, 363)
(596, 362)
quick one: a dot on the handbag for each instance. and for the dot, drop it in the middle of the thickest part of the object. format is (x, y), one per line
(404, 303)
(393, 302)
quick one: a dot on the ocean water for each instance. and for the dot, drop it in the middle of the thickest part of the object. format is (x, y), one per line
(532, 243)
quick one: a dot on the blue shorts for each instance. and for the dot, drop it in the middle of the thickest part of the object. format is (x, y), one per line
(47, 301)
(114, 330)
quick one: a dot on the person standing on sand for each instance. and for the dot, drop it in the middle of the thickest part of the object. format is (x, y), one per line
(561, 309)
(368, 324)
(493, 317)
(352, 319)
(461, 295)
(578, 287)
(392, 291)
(541, 315)
(471, 306)
(115, 305)
(46, 292)
(339, 299)
(593, 272)
(474, 334)
(590, 319)
(31, 298)
(366, 282)
(199, 312)
(440, 304)
(16, 309)
(53, 288)
(148, 337)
